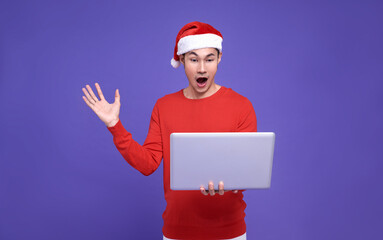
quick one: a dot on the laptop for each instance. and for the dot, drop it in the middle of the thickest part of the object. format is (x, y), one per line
(242, 160)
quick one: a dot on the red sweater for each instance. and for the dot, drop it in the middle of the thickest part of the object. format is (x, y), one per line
(190, 214)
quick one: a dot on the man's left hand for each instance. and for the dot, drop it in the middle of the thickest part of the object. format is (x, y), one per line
(211, 190)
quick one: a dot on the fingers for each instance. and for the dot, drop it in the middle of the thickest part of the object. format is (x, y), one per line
(89, 99)
(203, 191)
(221, 191)
(91, 93)
(211, 189)
(117, 95)
(88, 103)
(235, 191)
(220, 188)
(99, 91)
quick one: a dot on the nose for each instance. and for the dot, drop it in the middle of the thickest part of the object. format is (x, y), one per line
(201, 67)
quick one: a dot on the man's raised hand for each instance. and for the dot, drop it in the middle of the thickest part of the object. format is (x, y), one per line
(108, 113)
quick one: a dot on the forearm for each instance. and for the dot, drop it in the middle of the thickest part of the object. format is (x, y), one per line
(145, 159)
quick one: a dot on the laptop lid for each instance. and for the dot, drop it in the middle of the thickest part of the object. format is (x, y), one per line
(242, 160)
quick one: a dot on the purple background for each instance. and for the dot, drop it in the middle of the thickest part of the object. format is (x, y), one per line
(312, 69)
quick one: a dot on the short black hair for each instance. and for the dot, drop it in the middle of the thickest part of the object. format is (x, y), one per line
(215, 49)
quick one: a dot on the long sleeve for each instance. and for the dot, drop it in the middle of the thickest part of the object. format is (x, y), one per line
(247, 120)
(145, 158)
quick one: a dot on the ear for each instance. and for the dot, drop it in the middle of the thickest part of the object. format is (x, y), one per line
(219, 57)
(182, 59)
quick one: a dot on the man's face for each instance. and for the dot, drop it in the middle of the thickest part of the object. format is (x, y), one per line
(200, 69)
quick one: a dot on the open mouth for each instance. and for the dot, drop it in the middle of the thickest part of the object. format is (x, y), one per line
(201, 80)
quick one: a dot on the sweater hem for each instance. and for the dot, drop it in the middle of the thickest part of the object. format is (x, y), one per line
(204, 233)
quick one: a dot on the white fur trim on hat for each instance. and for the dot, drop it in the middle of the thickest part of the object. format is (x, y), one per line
(198, 41)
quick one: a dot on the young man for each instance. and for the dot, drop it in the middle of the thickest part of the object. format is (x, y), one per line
(203, 106)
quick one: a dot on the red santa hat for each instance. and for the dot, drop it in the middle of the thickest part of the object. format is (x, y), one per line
(195, 35)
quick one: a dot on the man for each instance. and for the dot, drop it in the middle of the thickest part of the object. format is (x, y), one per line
(203, 106)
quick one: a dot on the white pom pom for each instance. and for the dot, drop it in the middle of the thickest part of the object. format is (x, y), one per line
(175, 63)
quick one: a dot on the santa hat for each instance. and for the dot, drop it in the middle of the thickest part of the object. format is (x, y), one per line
(195, 35)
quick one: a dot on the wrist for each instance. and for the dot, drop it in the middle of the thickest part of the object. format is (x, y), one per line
(112, 123)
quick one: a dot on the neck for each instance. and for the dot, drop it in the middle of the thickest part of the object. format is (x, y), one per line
(191, 94)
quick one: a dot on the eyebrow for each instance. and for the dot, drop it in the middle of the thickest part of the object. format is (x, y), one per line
(209, 55)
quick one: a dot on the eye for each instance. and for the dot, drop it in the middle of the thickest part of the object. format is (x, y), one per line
(210, 60)
(193, 60)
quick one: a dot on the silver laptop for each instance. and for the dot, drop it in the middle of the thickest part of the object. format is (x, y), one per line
(242, 160)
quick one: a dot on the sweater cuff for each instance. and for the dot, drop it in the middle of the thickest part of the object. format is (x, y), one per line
(117, 129)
